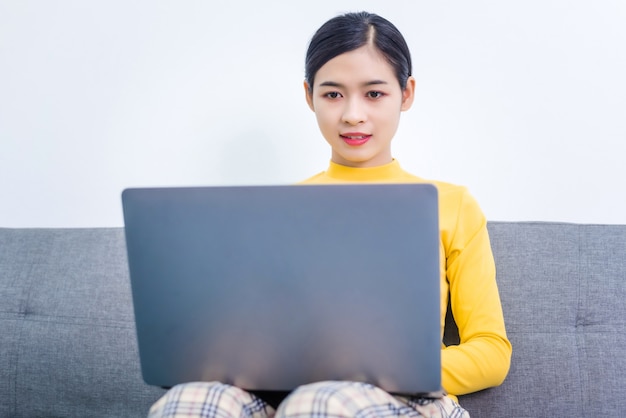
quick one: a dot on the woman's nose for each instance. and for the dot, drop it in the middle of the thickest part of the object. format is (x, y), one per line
(354, 112)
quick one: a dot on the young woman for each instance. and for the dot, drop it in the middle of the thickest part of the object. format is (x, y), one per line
(358, 81)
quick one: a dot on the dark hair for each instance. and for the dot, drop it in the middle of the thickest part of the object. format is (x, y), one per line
(351, 31)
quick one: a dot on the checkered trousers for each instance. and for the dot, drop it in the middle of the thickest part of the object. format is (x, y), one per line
(318, 400)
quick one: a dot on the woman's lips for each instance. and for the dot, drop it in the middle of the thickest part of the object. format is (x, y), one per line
(355, 139)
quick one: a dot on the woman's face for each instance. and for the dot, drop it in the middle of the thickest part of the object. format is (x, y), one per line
(357, 100)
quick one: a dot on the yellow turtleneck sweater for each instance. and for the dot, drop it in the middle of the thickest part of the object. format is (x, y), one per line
(468, 275)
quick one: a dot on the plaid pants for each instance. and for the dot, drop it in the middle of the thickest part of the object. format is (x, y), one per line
(320, 400)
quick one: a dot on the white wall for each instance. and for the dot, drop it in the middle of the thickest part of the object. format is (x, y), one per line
(522, 101)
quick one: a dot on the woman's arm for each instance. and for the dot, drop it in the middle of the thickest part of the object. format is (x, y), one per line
(482, 358)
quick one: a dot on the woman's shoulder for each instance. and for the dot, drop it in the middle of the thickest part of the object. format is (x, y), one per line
(320, 177)
(457, 206)
(449, 193)
(446, 188)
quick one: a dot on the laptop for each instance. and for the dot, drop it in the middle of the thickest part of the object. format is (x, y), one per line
(272, 287)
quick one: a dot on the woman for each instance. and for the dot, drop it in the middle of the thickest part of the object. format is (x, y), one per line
(358, 81)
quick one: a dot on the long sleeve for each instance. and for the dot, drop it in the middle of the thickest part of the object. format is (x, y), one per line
(482, 358)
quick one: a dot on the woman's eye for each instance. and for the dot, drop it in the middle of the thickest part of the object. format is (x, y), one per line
(375, 94)
(333, 95)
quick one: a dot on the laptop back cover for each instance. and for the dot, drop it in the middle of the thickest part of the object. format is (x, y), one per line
(272, 287)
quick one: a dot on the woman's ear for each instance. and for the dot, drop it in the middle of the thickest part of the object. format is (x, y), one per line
(408, 94)
(309, 97)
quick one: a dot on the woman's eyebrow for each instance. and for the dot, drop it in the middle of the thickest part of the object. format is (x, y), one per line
(367, 83)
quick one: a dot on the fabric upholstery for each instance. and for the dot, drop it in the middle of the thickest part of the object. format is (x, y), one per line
(562, 288)
(68, 345)
(67, 327)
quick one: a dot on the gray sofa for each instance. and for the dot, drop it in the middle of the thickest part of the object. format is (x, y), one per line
(68, 347)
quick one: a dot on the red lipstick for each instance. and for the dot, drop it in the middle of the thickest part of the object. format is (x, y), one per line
(355, 138)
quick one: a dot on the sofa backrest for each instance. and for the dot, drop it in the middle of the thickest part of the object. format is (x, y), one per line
(563, 291)
(68, 345)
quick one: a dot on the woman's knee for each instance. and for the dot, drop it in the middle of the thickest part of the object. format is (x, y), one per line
(347, 399)
(207, 399)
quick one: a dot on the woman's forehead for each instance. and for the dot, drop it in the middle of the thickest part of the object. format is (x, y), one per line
(365, 65)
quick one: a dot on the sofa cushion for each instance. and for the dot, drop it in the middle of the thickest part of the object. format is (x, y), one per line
(68, 344)
(562, 288)
(67, 325)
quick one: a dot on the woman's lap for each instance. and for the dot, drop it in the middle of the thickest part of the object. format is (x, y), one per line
(212, 399)
(323, 399)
